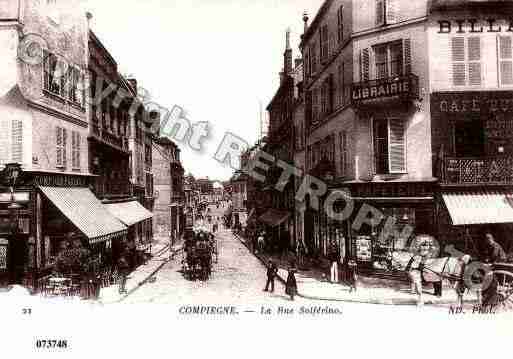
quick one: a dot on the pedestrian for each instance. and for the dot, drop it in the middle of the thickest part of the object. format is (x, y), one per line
(496, 253)
(291, 285)
(272, 271)
(261, 242)
(123, 273)
(334, 257)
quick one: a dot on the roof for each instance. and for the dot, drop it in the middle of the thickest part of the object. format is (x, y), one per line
(436, 5)
(86, 212)
(479, 207)
(129, 213)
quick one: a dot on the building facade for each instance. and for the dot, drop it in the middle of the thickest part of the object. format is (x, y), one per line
(45, 126)
(112, 118)
(169, 190)
(402, 110)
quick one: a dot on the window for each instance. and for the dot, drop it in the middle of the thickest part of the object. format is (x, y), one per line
(466, 61)
(387, 12)
(341, 84)
(54, 73)
(388, 60)
(324, 43)
(340, 28)
(307, 63)
(17, 141)
(76, 86)
(313, 59)
(505, 60)
(315, 109)
(389, 146)
(380, 12)
(343, 153)
(61, 146)
(75, 149)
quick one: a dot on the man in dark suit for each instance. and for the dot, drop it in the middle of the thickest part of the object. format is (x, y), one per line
(272, 271)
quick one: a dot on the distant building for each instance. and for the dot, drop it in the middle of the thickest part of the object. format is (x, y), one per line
(170, 198)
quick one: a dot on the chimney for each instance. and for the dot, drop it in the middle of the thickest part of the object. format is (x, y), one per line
(287, 68)
(305, 20)
(133, 83)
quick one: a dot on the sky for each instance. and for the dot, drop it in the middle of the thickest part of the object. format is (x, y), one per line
(217, 59)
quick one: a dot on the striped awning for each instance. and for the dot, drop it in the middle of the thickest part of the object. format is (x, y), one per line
(129, 213)
(274, 217)
(86, 212)
(479, 207)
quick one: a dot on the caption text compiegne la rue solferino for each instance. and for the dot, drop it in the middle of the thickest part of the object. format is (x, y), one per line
(280, 310)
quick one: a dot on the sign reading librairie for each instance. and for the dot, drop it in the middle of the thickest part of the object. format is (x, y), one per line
(9, 9)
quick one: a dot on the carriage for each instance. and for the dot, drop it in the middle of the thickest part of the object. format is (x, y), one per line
(198, 254)
(492, 283)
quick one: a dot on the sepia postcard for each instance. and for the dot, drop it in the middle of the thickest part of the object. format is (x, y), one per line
(299, 177)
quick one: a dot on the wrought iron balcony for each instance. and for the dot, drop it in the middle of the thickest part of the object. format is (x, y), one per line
(382, 91)
(477, 170)
(107, 188)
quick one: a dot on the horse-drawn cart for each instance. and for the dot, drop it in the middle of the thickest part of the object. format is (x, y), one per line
(198, 251)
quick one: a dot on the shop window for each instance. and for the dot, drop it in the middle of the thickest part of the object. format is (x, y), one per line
(389, 140)
(468, 139)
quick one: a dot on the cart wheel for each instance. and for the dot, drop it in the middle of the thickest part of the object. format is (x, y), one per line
(504, 289)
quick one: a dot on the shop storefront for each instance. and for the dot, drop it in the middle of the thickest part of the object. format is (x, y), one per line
(48, 207)
(399, 210)
(472, 134)
(138, 220)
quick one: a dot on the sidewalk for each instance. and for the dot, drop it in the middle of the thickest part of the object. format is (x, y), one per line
(313, 284)
(160, 256)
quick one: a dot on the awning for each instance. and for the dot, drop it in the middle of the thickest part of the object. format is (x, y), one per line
(86, 212)
(479, 207)
(129, 213)
(274, 217)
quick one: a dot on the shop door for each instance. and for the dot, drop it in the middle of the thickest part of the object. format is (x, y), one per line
(18, 255)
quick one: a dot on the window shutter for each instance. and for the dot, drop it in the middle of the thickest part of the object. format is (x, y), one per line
(341, 83)
(365, 65)
(407, 56)
(474, 58)
(58, 143)
(46, 70)
(458, 61)
(380, 9)
(331, 93)
(17, 141)
(340, 24)
(77, 149)
(397, 150)
(63, 73)
(505, 60)
(392, 11)
(64, 141)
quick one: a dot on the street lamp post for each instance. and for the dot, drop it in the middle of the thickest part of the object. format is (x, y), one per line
(11, 173)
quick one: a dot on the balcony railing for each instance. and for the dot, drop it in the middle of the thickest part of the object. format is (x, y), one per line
(109, 188)
(477, 170)
(102, 134)
(400, 88)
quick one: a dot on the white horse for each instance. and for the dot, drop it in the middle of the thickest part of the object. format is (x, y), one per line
(432, 270)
